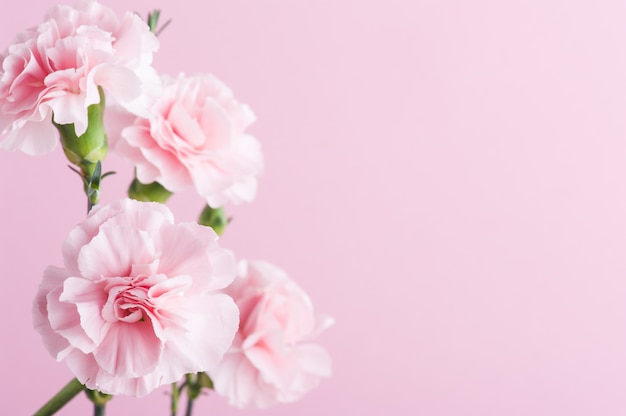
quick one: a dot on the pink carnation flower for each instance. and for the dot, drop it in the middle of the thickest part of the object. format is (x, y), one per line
(272, 359)
(137, 304)
(196, 138)
(56, 69)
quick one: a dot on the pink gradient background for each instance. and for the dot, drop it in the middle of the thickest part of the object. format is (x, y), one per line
(446, 178)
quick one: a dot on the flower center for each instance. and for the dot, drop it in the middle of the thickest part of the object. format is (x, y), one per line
(131, 304)
(128, 299)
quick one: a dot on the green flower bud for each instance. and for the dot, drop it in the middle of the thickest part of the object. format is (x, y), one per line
(152, 192)
(91, 147)
(214, 218)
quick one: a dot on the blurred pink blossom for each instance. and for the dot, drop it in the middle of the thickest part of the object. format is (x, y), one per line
(272, 359)
(196, 138)
(137, 304)
(54, 70)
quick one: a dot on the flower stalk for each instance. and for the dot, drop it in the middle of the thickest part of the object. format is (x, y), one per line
(195, 383)
(60, 399)
(193, 391)
(99, 400)
(175, 397)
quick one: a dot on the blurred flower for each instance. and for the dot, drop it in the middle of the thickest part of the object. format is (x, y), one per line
(54, 71)
(196, 138)
(271, 359)
(137, 304)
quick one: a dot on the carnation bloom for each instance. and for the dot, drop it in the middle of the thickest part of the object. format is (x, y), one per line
(137, 304)
(272, 359)
(54, 71)
(196, 138)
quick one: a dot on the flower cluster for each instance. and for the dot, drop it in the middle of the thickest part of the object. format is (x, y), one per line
(53, 72)
(142, 301)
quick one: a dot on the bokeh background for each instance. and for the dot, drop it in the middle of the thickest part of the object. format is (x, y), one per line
(446, 178)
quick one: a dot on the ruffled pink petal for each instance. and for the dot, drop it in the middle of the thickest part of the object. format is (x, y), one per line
(121, 83)
(34, 138)
(184, 125)
(129, 350)
(85, 368)
(314, 360)
(208, 325)
(68, 109)
(86, 298)
(314, 364)
(107, 254)
(134, 41)
(135, 214)
(205, 255)
(184, 252)
(88, 372)
(173, 286)
(163, 167)
(136, 387)
(241, 382)
(55, 343)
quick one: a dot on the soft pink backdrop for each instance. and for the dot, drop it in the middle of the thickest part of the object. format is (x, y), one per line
(446, 178)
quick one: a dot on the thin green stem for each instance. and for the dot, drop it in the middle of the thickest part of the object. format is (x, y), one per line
(66, 394)
(189, 406)
(175, 396)
(98, 409)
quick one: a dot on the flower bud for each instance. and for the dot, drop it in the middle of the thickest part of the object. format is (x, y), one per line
(214, 218)
(91, 147)
(151, 192)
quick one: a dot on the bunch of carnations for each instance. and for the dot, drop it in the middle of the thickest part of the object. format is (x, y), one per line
(142, 301)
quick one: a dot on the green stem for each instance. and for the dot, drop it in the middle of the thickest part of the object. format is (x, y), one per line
(66, 394)
(189, 406)
(92, 180)
(175, 396)
(98, 409)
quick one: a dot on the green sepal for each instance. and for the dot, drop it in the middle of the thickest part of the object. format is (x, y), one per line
(193, 387)
(97, 397)
(153, 22)
(90, 147)
(205, 381)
